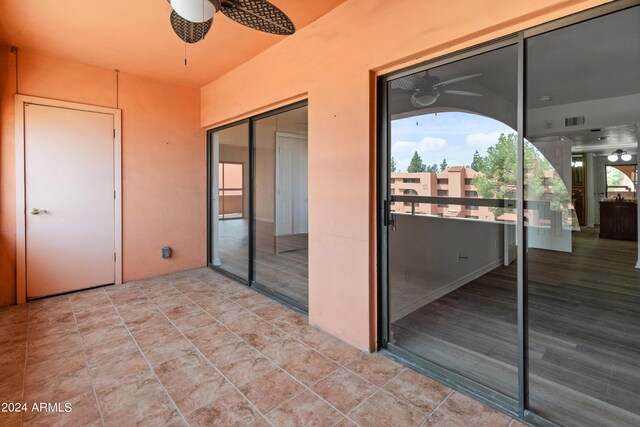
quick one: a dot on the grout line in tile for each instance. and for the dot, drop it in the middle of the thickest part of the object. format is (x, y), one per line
(205, 358)
(430, 415)
(145, 357)
(86, 363)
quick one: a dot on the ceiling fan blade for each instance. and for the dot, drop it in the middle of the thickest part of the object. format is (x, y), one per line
(410, 82)
(190, 32)
(456, 80)
(461, 92)
(259, 15)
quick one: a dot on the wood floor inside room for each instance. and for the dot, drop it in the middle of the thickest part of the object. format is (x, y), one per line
(584, 326)
(281, 263)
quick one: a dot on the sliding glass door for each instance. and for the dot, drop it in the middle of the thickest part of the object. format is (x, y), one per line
(509, 262)
(258, 203)
(452, 180)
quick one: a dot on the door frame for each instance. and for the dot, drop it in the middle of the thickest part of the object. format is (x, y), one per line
(21, 224)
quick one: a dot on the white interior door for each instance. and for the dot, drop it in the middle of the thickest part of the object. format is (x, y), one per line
(70, 179)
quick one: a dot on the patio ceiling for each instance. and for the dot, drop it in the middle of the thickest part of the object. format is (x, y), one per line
(136, 36)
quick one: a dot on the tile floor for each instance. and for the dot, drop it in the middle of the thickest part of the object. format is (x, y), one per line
(195, 348)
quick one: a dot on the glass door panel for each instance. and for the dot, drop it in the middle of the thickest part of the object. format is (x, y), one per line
(230, 200)
(281, 205)
(452, 241)
(583, 98)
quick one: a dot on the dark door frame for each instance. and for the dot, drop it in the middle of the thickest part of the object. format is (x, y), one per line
(251, 282)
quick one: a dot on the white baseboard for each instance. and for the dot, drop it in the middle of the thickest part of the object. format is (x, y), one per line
(444, 290)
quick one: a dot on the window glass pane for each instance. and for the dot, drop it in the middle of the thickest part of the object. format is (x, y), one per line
(281, 204)
(583, 104)
(230, 227)
(453, 176)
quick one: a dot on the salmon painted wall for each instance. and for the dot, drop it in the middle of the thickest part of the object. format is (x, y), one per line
(163, 150)
(333, 62)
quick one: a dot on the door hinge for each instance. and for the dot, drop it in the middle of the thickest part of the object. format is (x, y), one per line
(114, 194)
(114, 134)
(114, 256)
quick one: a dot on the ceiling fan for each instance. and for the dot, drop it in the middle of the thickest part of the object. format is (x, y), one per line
(192, 19)
(425, 89)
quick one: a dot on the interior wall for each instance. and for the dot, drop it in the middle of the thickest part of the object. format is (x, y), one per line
(163, 149)
(424, 263)
(333, 63)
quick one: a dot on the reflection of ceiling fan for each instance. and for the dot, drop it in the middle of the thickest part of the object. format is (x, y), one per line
(192, 19)
(425, 89)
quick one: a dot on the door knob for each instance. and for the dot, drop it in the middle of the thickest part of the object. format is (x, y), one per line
(36, 211)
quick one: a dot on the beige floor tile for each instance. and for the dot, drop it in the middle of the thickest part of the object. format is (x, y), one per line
(197, 321)
(271, 390)
(190, 395)
(245, 367)
(283, 349)
(118, 349)
(383, 410)
(191, 367)
(245, 321)
(417, 389)
(306, 409)
(309, 335)
(181, 311)
(344, 390)
(261, 334)
(272, 311)
(375, 368)
(118, 392)
(338, 351)
(153, 411)
(210, 335)
(230, 410)
(120, 366)
(162, 343)
(310, 367)
(462, 410)
(142, 316)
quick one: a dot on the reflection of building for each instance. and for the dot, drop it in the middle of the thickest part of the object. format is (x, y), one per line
(456, 181)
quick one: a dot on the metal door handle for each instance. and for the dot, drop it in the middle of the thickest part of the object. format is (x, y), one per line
(36, 211)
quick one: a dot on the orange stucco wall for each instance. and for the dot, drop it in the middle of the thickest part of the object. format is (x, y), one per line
(163, 164)
(333, 62)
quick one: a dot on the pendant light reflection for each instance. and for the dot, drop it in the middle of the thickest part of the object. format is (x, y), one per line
(619, 155)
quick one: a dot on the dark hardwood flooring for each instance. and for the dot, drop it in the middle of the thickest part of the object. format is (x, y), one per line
(584, 323)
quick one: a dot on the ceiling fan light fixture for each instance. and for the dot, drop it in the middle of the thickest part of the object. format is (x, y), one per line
(197, 11)
(424, 99)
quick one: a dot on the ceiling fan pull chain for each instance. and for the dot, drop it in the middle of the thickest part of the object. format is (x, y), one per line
(185, 54)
